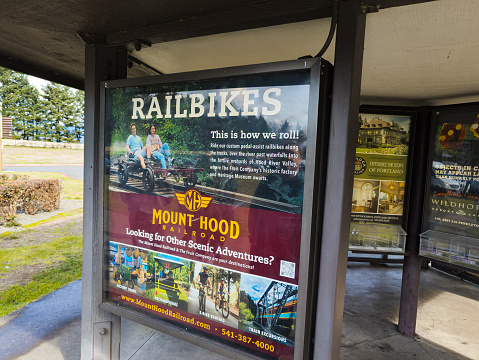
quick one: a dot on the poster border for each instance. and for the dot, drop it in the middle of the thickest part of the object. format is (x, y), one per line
(320, 76)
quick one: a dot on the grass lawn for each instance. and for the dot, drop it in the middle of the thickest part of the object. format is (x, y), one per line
(30, 155)
(44, 256)
(38, 261)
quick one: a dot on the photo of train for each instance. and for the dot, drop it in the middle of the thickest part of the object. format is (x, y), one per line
(268, 308)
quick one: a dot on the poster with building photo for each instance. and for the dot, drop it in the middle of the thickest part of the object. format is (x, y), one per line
(380, 174)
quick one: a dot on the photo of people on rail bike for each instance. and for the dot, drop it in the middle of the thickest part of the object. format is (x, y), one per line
(215, 294)
(157, 145)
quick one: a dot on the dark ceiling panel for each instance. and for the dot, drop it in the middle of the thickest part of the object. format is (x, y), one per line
(41, 37)
(243, 16)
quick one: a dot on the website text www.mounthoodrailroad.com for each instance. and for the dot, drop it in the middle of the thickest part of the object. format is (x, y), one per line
(167, 312)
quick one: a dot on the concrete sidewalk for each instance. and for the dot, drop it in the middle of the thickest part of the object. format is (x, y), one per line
(447, 323)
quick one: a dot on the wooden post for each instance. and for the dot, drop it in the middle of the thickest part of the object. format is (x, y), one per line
(412, 263)
(100, 331)
(339, 178)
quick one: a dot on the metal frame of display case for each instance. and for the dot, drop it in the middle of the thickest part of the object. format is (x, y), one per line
(455, 268)
(318, 133)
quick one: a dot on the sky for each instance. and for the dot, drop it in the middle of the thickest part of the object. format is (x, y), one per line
(254, 286)
(37, 82)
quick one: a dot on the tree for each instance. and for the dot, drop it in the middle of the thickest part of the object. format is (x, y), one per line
(59, 112)
(55, 115)
(244, 313)
(79, 124)
(19, 100)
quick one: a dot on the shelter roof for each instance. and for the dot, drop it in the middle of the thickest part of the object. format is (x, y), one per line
(418, 54)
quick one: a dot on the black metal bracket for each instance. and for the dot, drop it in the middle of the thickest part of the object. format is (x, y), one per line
(369, 8)
(139, 43)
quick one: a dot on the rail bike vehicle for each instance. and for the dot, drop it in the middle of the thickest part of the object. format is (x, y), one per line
(154, 174)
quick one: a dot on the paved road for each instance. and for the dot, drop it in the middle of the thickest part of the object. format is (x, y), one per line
(74, 171)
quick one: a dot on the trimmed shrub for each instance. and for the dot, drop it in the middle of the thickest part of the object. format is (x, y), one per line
(29, 195)
(10, 199)
(5, 177)
(41, 194)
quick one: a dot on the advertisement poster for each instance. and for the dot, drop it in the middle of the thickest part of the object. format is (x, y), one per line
(453, 201)
(380, 173)
(205, 203)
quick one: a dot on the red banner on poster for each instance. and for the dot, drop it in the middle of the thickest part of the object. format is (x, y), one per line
(219, 235)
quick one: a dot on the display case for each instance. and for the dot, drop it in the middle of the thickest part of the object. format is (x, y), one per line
(458, 250)
(377, 238)
(228, 213)
(380, 193)
(451, 216)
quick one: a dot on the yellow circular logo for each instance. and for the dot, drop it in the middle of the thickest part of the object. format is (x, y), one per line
(193, 200)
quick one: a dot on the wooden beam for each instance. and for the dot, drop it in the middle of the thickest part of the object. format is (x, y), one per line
(412, 263)
(100, 332)
(339, 178)
(242, 16)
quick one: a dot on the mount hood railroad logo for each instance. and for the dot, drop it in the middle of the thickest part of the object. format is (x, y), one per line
(193, 200)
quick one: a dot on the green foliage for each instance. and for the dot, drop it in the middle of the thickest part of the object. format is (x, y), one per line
(19, 101)
(244, 313)
(248, 301)
(60, 113)
(54, 115)
(182, 273)
(12, 223)
(206, 180)
(385, 149)
(151, 262)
